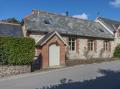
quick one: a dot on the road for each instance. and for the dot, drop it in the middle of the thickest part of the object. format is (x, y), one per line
(91, 76)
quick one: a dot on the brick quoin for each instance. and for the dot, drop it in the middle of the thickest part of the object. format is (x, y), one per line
(44, 51)
(77, 45)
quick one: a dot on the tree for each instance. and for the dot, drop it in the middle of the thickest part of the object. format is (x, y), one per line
(117, 52)
(22, 22)
(12, 20)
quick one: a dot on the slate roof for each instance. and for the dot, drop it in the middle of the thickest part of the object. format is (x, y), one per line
(44, 38)
(111, 24)
(45, 22)
(8, 29)
(48, 36)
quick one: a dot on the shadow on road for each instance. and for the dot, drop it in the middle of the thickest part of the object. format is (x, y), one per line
(110, 80)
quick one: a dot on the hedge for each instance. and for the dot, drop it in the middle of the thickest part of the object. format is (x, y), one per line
(16, 51)
(117, 52)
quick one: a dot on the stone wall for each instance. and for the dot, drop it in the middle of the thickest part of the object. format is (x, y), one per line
(13, 70)
(81, 48)
(116, 39)
(84, 54)
(36, 37)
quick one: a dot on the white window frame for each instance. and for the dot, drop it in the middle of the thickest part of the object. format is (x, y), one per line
(106, 46)
(90, 45)
(70, 42)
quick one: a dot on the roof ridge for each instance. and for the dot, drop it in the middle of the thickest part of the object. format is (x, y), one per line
(36, 11)
(1, 22)
(108, 19)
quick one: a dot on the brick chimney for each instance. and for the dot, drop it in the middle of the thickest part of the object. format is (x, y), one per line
(34, 11)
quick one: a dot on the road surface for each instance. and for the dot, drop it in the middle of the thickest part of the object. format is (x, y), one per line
(92, 76)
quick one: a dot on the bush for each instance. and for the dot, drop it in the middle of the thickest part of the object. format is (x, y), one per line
(117, 52)
(3, 56)
(16, 51)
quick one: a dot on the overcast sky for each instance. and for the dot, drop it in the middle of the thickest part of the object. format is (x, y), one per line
(86, 9)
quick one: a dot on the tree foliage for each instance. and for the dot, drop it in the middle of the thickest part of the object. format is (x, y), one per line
(14, 20)
(117, 52)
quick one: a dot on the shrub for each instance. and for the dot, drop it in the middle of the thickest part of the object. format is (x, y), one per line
(3, 56)
(117, 52)
(16, 51)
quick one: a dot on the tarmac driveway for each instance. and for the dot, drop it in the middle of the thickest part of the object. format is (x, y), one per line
(92, 76)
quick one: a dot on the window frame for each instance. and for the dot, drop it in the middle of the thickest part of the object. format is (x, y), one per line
(106, 46)
(72, 44)
(90, 45)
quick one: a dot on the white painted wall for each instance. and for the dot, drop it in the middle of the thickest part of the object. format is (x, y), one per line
(24, 30)
(36, 37)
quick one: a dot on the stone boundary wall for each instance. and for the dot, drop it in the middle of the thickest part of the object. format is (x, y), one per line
(14, 70)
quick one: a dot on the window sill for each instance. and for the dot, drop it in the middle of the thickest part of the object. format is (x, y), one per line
(72, 51)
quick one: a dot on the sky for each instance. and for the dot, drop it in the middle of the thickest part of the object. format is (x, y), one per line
(85, 9)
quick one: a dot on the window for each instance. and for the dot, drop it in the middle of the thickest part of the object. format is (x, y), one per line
(101, 30)
(90, 45)
(72, 44)
(107, 46)
(46, 21)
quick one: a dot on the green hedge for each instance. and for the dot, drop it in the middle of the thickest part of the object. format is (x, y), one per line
(117, 52)
(16, 51)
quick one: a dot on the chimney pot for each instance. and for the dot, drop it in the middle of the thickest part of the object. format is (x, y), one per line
(67, 13)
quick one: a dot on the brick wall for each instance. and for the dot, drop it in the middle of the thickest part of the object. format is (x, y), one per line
(44, 51)
(78, 45)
